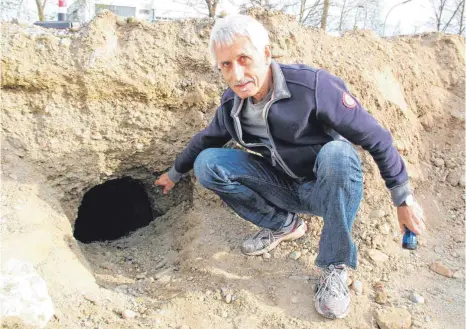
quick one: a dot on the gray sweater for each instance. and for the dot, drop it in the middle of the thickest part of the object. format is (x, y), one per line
(253, 120)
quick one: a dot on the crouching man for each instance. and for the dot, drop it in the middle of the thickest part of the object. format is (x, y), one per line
(302, 122)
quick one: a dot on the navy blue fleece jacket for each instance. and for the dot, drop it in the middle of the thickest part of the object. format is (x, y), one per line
(309, 108)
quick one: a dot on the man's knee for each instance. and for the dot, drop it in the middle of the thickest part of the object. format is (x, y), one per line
(207, 164)
(338, 159)
(201, 165)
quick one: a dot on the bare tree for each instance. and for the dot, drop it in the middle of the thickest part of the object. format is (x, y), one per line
(280, 5)
(455, 13)
(326, 14)
(204, 7)
(22, 11)
(461, 19)
(313, 13)
(310, 12)
(10, 9)
(212, 6)
(301, 10)
(447, 14)
(266, 4)
(343, 12)
(40, 9)
(416, 29)
(357, 16)
(370, 14)
(346, 7)
(456, 24)
(352, 14)
(439, 8)
(397, 28)
(323, 23)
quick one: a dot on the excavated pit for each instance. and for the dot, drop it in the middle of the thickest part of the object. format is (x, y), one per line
(123, 203)
(112, 210)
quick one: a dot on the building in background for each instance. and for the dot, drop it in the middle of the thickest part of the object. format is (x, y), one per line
(84, 10)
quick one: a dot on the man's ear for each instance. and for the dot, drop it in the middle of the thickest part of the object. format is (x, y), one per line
(268, 54)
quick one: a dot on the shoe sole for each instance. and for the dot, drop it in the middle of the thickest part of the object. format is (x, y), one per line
(296, 234)
(331, 316)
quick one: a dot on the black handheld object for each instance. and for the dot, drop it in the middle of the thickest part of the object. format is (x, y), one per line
(409, 240)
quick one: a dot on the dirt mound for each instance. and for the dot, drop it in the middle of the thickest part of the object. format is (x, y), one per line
(120, 98)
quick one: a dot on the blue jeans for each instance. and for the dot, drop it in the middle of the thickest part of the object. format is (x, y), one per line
(264, 195)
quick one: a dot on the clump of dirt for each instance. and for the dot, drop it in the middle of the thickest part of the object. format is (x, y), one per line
(118, 99)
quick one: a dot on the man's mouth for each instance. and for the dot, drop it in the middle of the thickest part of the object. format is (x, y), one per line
(243, 86)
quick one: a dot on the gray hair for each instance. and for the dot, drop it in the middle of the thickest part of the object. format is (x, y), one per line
(228, 28)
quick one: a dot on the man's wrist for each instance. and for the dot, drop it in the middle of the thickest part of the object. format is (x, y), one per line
(174, 175)
(400, 193)
(409, 201)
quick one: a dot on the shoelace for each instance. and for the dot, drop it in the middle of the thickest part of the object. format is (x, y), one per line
(264, 233)
(330, 283)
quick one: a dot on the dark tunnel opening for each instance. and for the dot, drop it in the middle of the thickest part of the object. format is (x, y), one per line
(112, 210)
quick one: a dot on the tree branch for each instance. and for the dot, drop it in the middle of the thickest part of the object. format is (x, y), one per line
(449, 21)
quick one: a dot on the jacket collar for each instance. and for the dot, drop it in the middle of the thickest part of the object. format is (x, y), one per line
(280, 89)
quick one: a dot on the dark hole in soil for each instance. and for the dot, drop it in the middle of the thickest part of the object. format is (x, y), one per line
(113, 209)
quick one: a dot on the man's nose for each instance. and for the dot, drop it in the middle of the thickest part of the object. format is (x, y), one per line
(238, 71)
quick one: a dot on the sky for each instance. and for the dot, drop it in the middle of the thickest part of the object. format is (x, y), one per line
(404, 19)
(415, 14)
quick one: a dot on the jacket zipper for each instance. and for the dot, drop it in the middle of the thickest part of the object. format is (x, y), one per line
(274, 161)
(273, 151)
(274, 148)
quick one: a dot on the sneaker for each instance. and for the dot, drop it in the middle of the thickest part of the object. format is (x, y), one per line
(332, 299)
(266, 239)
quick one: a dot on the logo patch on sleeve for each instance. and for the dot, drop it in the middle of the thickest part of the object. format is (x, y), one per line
(348, 101)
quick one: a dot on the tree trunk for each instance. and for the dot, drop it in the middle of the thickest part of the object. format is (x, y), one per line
(40, 9)
(461, 23)
(301, 10)
(212, 6)
(451, 18)
(440, 13)
(323, 23)
(342, 15)
(365, 17)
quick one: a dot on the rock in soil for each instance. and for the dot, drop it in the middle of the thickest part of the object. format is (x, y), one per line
(379, 213)
(357, 287)
(441, 269)
(295, 255)
(91, 298)
(381, 297)
(439, 162)
(128, 314)
(393, 318)
(454, 177)
(377, 256)
(416, 298)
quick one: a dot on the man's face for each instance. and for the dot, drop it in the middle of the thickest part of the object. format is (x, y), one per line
(243, 67)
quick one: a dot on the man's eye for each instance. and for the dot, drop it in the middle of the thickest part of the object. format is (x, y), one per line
(226, 64)
(244, 59)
